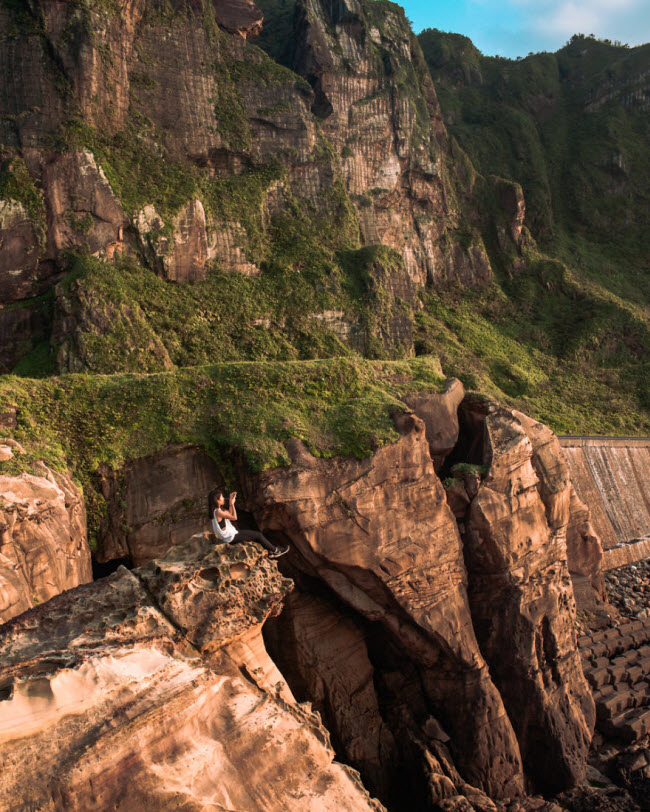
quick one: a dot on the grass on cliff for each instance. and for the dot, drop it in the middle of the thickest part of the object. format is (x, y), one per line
(235, 411)
(584, 170)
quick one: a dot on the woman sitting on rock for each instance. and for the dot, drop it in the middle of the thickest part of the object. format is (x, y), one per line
(225, 530)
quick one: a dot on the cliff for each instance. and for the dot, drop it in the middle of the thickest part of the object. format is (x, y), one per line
(311, 184)
(271, 269)
(428, 702)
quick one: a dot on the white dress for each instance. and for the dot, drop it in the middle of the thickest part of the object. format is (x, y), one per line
(227, 533)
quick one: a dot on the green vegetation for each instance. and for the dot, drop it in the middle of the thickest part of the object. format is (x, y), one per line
(340, 406)
(17, 184)
(566, 127)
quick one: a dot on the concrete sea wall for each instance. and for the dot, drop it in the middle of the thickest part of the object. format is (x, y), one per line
(612, 476)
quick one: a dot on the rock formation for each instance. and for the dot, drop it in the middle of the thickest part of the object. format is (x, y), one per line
(521, 595)
(155, 503)
(379, 534)
(143, 691)
(43, 547)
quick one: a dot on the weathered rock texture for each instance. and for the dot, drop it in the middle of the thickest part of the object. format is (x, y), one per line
(87, 88)
(521, 594)
(440, 416)
(140, 691)
(379, 534)
(155, 503)
(43, 548)
(611, 475)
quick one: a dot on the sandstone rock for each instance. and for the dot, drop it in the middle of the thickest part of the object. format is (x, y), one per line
(323, 656)
(379, 533)
(522, 599)
(182, 256)
(109, 703)
(440, 416)
(43, 549)
(155, 502)
(393, 160)
(564, 509)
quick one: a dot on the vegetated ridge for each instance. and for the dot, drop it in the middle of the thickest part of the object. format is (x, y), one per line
(213, 200)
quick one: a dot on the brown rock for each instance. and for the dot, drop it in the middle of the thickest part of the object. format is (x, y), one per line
(379, 533)
(21, 248)
(43, 549)
(323, 656)
(82, 208)
(181, 257)
(241, 17)
(565, 510)
(110, 703)
(522, 600)
(440, 416)
(155, 502)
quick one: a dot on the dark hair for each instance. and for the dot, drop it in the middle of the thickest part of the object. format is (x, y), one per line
(212, 500)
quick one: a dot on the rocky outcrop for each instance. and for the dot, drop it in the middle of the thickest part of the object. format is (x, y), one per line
(21, 247)
(380, 535)
(155, 502)
(83, 210)
(440, 416)
(564, 509)
(379, 108)
(140, 691)
(43, 548)
(521, 594)
(241, 17)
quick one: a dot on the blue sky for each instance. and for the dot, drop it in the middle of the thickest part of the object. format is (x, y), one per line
(515, 27)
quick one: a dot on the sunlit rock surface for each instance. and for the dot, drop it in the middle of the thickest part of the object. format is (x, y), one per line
(140, 691)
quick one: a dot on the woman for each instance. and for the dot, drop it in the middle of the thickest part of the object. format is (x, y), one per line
(224, 530)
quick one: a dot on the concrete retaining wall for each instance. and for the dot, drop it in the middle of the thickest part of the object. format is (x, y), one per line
(612, 476)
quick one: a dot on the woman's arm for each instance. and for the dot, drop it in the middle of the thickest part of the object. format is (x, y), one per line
(226, 514)
(233, 509)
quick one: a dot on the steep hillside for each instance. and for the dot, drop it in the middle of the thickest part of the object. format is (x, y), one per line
(572, 128)
(174, 195)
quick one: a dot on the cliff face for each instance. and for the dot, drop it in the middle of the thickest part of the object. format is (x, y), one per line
(522, 599)
(205, 151)
(147, 689)
(43, 545)
(438, 646)
(392, 554)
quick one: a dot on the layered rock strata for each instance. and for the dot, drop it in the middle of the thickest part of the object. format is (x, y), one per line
(357, 143)
(143, 690)
(379, 534)
(522, 598)
(43, 547)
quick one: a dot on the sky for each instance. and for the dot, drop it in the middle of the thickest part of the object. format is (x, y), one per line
(515, 27)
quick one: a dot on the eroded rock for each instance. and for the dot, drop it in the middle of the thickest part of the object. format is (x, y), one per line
(43, 549)
(522, 599)
(379, 533)
(109, 702)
